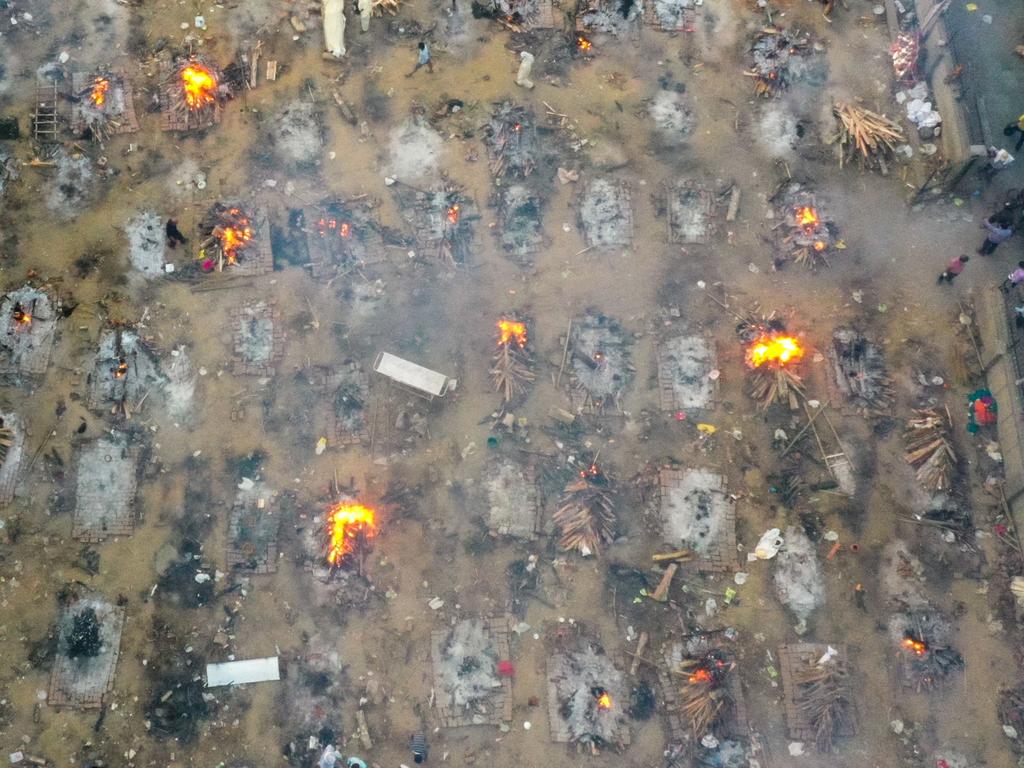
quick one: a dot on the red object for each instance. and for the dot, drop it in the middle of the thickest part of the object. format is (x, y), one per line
(832, 552)
(208, 265)
(1001, 530)
(680, 415)
(506, 669)
(941, 764)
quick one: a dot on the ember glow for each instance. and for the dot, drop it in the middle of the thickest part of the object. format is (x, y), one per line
(121, 370)
(700, 675)
(917, 647)
(21, 316)
(453, 213)
(776, 349)
(509, 330)
(807, 218)
(604, 701)
(200, 86)
(346, 522)
(98, 94)
(819, 245)
(343, 228)
(583, 44)
(234, 234)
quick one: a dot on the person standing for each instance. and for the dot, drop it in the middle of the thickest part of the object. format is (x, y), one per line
(999, 231)
(1017, 126)
(1015, 278)
(423, 60)
(954, 268)
(365, 11)
(998, 160)
(174, 235)
(418, 745)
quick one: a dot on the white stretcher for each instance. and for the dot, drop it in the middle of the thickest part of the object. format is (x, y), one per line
(422, 381)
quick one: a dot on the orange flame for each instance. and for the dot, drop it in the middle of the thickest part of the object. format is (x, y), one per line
(583, 44)
(20, 316)
(453, 213)
(234, 235)
(345, 229)
(819, 245)
(200, 86)
(345, 522)
(121, 370)
(604, 701)
(700, 675)
(100, 87)
(774, 348)
(918, 647)
(509, 330)
(807, 218)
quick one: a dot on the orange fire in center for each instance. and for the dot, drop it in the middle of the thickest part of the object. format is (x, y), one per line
(583, 44)
(918, 647)
(98, 94)
(701, 675)
(345, 523)
(21, 316)
(604, 701)
(234, 235)
(774, 348)
(453, 213)
(509, 330)
(807, 218)
(200, 86)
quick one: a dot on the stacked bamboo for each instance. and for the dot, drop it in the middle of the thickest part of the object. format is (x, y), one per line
(869, 133)
(586, 516)
(823, 697)
(928, 449)
(511, 372)
(769, 384)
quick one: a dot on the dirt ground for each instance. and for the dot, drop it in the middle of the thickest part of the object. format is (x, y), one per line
(363, 640)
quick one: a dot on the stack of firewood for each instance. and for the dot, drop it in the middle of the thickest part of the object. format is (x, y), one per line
(823, 697)
(586, 515)
(862, 131)
(770, 384)
(929, 450)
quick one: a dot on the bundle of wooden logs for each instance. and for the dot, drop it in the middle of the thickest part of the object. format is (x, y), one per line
(704, 697)
(929, 450)
(511, 372)
(586, 516)
(823, 697)
(770, 385)
(510, 141)
(868, 133)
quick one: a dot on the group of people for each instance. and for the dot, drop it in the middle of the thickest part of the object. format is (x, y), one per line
(331, 757)
(999, 228)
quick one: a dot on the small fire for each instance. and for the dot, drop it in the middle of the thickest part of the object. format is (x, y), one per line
(918, 647)
(200, 86)
(593, 471)
(121, 370)
(819, 245)
(700, 675)
(583, 44)
(345, 523)
(604, 700)
(343, 228)
(234, 234)
(807, 218)
(774, 348)
(98, 94)
(518, 127)
(20, 315)
(453, 213)
(509, 330)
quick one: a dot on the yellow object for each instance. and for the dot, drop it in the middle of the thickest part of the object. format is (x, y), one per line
(971, 6)
(1020, 122)
(707, 429)
(840, 245)
(321, 445)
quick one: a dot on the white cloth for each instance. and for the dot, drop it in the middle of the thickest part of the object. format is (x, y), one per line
(365, 11)
(329, 758)
(525, 66)
(334, 26)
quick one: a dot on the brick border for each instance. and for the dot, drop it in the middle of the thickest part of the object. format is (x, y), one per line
(239, 556)
(326, 382)
(792, 657)
(666, 382)
(124, 523)
(63, 676)
(624, 198)
(528, 476)
(129, 122)
(10, 470)
(242, 367)
(170, 119)
(673, 191)
(736, 726)
(500, 701)
(722, 559)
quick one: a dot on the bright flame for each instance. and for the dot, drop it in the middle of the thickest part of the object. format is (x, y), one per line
(99, 91)
(700, 675)
(234, 234)
(345, 522)
(917, 646)
(773, 349)
(807, 218)
(583, 43)
(345, 229)
(819, 245)
(509, 330)
(200, 86)
(453, 213)
(604, 701)
(20, 316)
(121, 370)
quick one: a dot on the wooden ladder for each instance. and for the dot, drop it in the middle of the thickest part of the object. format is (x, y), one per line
(45, 117)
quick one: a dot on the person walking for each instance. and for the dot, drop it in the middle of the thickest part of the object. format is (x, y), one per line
(999, 231)
(1015, 278)
(423, 60)
(954, 268)
(998, 160)
(1017, 126)
(174, 235)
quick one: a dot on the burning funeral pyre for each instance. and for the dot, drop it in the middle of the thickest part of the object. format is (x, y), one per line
(124, 373)
(704, 697)
(347, 528)
(516, 15)
(586, 513)
(771, 356)
(926, 654)
(341, 233)
(441, 218)
(806, 232)
(589, 698)
(773, 54)
(29, 319)
(511, 370)
(102, 105)
(599, 362)
(860, 373)
(511, 141)
(928, 449)
(191, 95)
(230, 237)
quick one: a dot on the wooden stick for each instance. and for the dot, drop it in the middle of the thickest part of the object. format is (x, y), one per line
(661, 593)
(565, 353)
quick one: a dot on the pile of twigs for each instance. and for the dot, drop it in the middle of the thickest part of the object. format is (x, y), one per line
(511, 370)
(928, 449)
(769, 384)
(586, 515)
(510, 141)
(823, 697)
(860, 130)
(705, 701)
